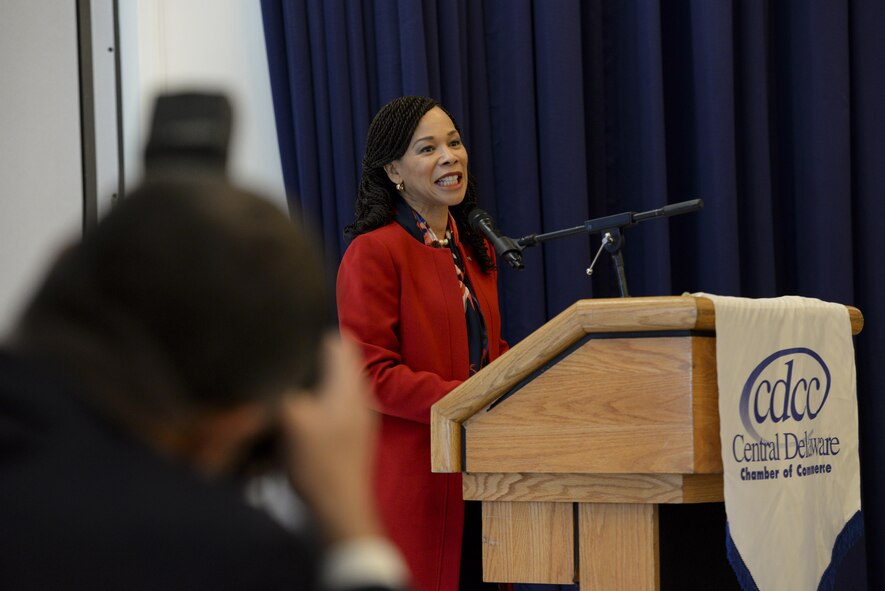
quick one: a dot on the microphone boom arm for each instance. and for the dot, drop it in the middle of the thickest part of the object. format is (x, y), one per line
(614, 225)
(620, 221)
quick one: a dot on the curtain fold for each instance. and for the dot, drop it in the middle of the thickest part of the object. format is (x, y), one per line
(771, 112)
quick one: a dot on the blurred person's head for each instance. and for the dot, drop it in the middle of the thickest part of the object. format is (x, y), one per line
(184, 316)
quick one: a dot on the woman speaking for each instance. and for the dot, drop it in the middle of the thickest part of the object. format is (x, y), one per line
(417, 290)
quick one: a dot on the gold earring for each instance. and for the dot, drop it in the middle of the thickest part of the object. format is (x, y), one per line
(401, 186)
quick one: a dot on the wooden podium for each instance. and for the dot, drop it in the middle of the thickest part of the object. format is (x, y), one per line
(573, 438)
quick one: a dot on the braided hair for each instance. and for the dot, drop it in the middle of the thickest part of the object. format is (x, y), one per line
(388, 139)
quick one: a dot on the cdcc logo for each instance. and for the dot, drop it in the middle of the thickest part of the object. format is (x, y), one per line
(788, 384)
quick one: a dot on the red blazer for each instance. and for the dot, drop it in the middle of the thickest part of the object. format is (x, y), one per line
(400, 300)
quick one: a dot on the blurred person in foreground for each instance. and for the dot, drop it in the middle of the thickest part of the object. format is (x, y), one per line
(161, 360)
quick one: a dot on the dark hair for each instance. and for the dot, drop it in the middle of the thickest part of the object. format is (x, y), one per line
(191, 294)
(387, 140)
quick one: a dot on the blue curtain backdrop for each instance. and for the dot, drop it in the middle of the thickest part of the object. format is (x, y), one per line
(772, 112)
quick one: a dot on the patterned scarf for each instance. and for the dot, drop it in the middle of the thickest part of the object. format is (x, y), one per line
(478, 340)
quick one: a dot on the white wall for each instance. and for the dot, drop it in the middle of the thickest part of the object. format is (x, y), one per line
(41, 186)
(210, 45)
(165, 45)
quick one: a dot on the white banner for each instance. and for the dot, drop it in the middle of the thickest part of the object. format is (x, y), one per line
(788, 415)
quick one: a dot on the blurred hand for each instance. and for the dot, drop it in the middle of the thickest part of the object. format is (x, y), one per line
(329, 440)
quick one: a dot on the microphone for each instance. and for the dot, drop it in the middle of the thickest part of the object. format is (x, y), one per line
(507, 248)
(668, 210)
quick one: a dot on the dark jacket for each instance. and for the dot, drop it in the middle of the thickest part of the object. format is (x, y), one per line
(84, 505)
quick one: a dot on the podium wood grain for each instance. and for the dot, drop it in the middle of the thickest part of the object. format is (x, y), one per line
(528, 542)
(620, 406)
(618, 547)
(583, 317)
(594, 488)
